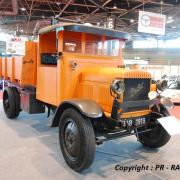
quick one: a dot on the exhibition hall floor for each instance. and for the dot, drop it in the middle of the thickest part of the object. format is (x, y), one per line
(29, 150)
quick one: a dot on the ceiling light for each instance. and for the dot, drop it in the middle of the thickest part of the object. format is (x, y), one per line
(21, 30)
(114, 7)
(98, 24)
(23, 9)
(132, 20)
(43, 16)
(169, 17)
(174, 27)
(56, 16)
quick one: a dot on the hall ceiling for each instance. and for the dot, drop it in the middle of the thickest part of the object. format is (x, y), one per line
(27, 16)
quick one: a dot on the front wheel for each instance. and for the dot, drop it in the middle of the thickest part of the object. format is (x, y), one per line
(158, 137)
(77, 139)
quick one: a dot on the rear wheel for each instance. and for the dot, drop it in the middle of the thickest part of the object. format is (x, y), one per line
(77, 139)
(11, 102)
(158, 137)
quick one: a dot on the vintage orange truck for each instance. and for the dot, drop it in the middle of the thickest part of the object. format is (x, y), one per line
(77, 72)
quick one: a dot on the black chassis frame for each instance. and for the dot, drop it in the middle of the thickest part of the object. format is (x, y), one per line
(107, 126)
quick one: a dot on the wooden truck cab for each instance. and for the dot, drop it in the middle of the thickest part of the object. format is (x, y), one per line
(61, 75)
(77, 71)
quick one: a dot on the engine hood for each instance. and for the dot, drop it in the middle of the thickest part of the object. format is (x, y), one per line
(107, 74)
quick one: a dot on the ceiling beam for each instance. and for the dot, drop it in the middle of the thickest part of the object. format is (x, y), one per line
(67, 4)
(134, 8)
(99, 5)
(56, 11)
(102, 6)
(155, 2)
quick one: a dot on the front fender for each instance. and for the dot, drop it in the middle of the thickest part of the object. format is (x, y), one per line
(86, 107)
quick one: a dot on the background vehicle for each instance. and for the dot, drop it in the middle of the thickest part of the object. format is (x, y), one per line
(173, 90)
(76, 71)
(173, 81)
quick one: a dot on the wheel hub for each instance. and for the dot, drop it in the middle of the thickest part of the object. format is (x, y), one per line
(6, 103)
(72, 139)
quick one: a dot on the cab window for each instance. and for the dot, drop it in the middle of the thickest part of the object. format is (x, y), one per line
(48, 51)
(72, 42)
(111, 47)
(93, 44)
(97, 46)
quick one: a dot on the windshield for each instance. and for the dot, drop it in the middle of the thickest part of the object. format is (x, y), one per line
(91, 44)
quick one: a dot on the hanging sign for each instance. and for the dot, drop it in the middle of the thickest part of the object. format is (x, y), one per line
(16, 46)
(151, 23)
(110, 22)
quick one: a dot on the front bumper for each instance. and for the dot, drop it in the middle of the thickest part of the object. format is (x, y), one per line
(119, 108)
(142, 103)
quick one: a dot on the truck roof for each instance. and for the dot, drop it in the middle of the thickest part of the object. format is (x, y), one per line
(86, 29)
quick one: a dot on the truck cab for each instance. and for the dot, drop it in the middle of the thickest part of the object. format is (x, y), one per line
(66, 53)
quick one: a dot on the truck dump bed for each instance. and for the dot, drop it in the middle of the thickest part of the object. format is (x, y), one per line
(21, 69)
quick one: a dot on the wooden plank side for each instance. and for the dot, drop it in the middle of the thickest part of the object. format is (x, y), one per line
(29, 65)
(18, 68)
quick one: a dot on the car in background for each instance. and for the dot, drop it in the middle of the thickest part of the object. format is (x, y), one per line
(173, 90)
(173, 81)
(173, 94)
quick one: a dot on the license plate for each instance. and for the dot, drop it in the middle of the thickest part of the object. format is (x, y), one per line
(140, 121)
(171, 124)
(134, 122)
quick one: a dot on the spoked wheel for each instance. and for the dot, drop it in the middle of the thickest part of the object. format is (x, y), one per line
(158, 137)
(11, 102)
(77, 139)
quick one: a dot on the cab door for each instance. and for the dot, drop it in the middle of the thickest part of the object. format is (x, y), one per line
(47, 68)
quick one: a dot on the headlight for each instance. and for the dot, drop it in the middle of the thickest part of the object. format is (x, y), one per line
(152, 95)
(161, 85)
(117, 86)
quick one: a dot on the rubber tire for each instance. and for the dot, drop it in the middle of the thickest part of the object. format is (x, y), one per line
(162, 138)
(14, 102)
(87, 140)
(17, 101)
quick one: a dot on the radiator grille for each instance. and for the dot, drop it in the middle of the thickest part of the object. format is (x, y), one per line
(135, 90)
